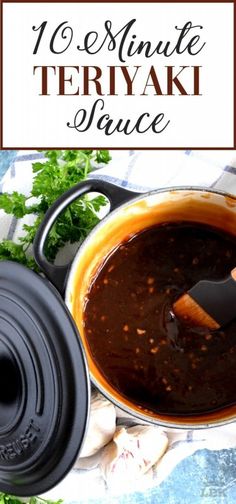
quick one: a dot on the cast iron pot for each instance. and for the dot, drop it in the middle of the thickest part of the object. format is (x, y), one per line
(44, 377)
(130, 214)
(44, 389)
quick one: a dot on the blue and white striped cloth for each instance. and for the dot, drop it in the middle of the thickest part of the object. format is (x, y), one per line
(138, 171)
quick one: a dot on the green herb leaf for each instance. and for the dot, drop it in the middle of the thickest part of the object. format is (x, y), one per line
(103, 156)
(10, 499)
(10, 251)
(61, 170)
(14, 204)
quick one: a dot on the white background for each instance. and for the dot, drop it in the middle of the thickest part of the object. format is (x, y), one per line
(30, 120)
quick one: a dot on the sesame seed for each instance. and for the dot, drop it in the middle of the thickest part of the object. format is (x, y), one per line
(154, 350)
(141, 331)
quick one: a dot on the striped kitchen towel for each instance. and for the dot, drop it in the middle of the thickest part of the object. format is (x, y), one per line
(138, 171)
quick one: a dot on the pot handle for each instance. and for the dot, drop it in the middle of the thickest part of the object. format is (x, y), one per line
(116, 196)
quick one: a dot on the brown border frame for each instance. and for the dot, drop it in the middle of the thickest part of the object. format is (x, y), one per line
(115, 1)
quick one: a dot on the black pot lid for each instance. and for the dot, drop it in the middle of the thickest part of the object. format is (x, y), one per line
(44, 384)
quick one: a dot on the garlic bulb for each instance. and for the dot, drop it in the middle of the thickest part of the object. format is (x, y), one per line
(102, 425)
(132, 453)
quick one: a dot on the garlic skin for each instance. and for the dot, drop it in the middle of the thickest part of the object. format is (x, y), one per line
(102, 425)
(131, 454)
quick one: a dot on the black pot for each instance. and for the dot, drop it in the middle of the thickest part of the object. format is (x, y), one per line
(131, 214)
(44, 378)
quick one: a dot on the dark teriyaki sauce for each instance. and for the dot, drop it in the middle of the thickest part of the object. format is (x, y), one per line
(147, 355)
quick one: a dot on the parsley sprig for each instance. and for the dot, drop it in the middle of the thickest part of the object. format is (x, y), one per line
(10, 499)
(61, 170)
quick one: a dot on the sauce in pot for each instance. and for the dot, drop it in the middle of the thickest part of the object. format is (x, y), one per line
(145, 353)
